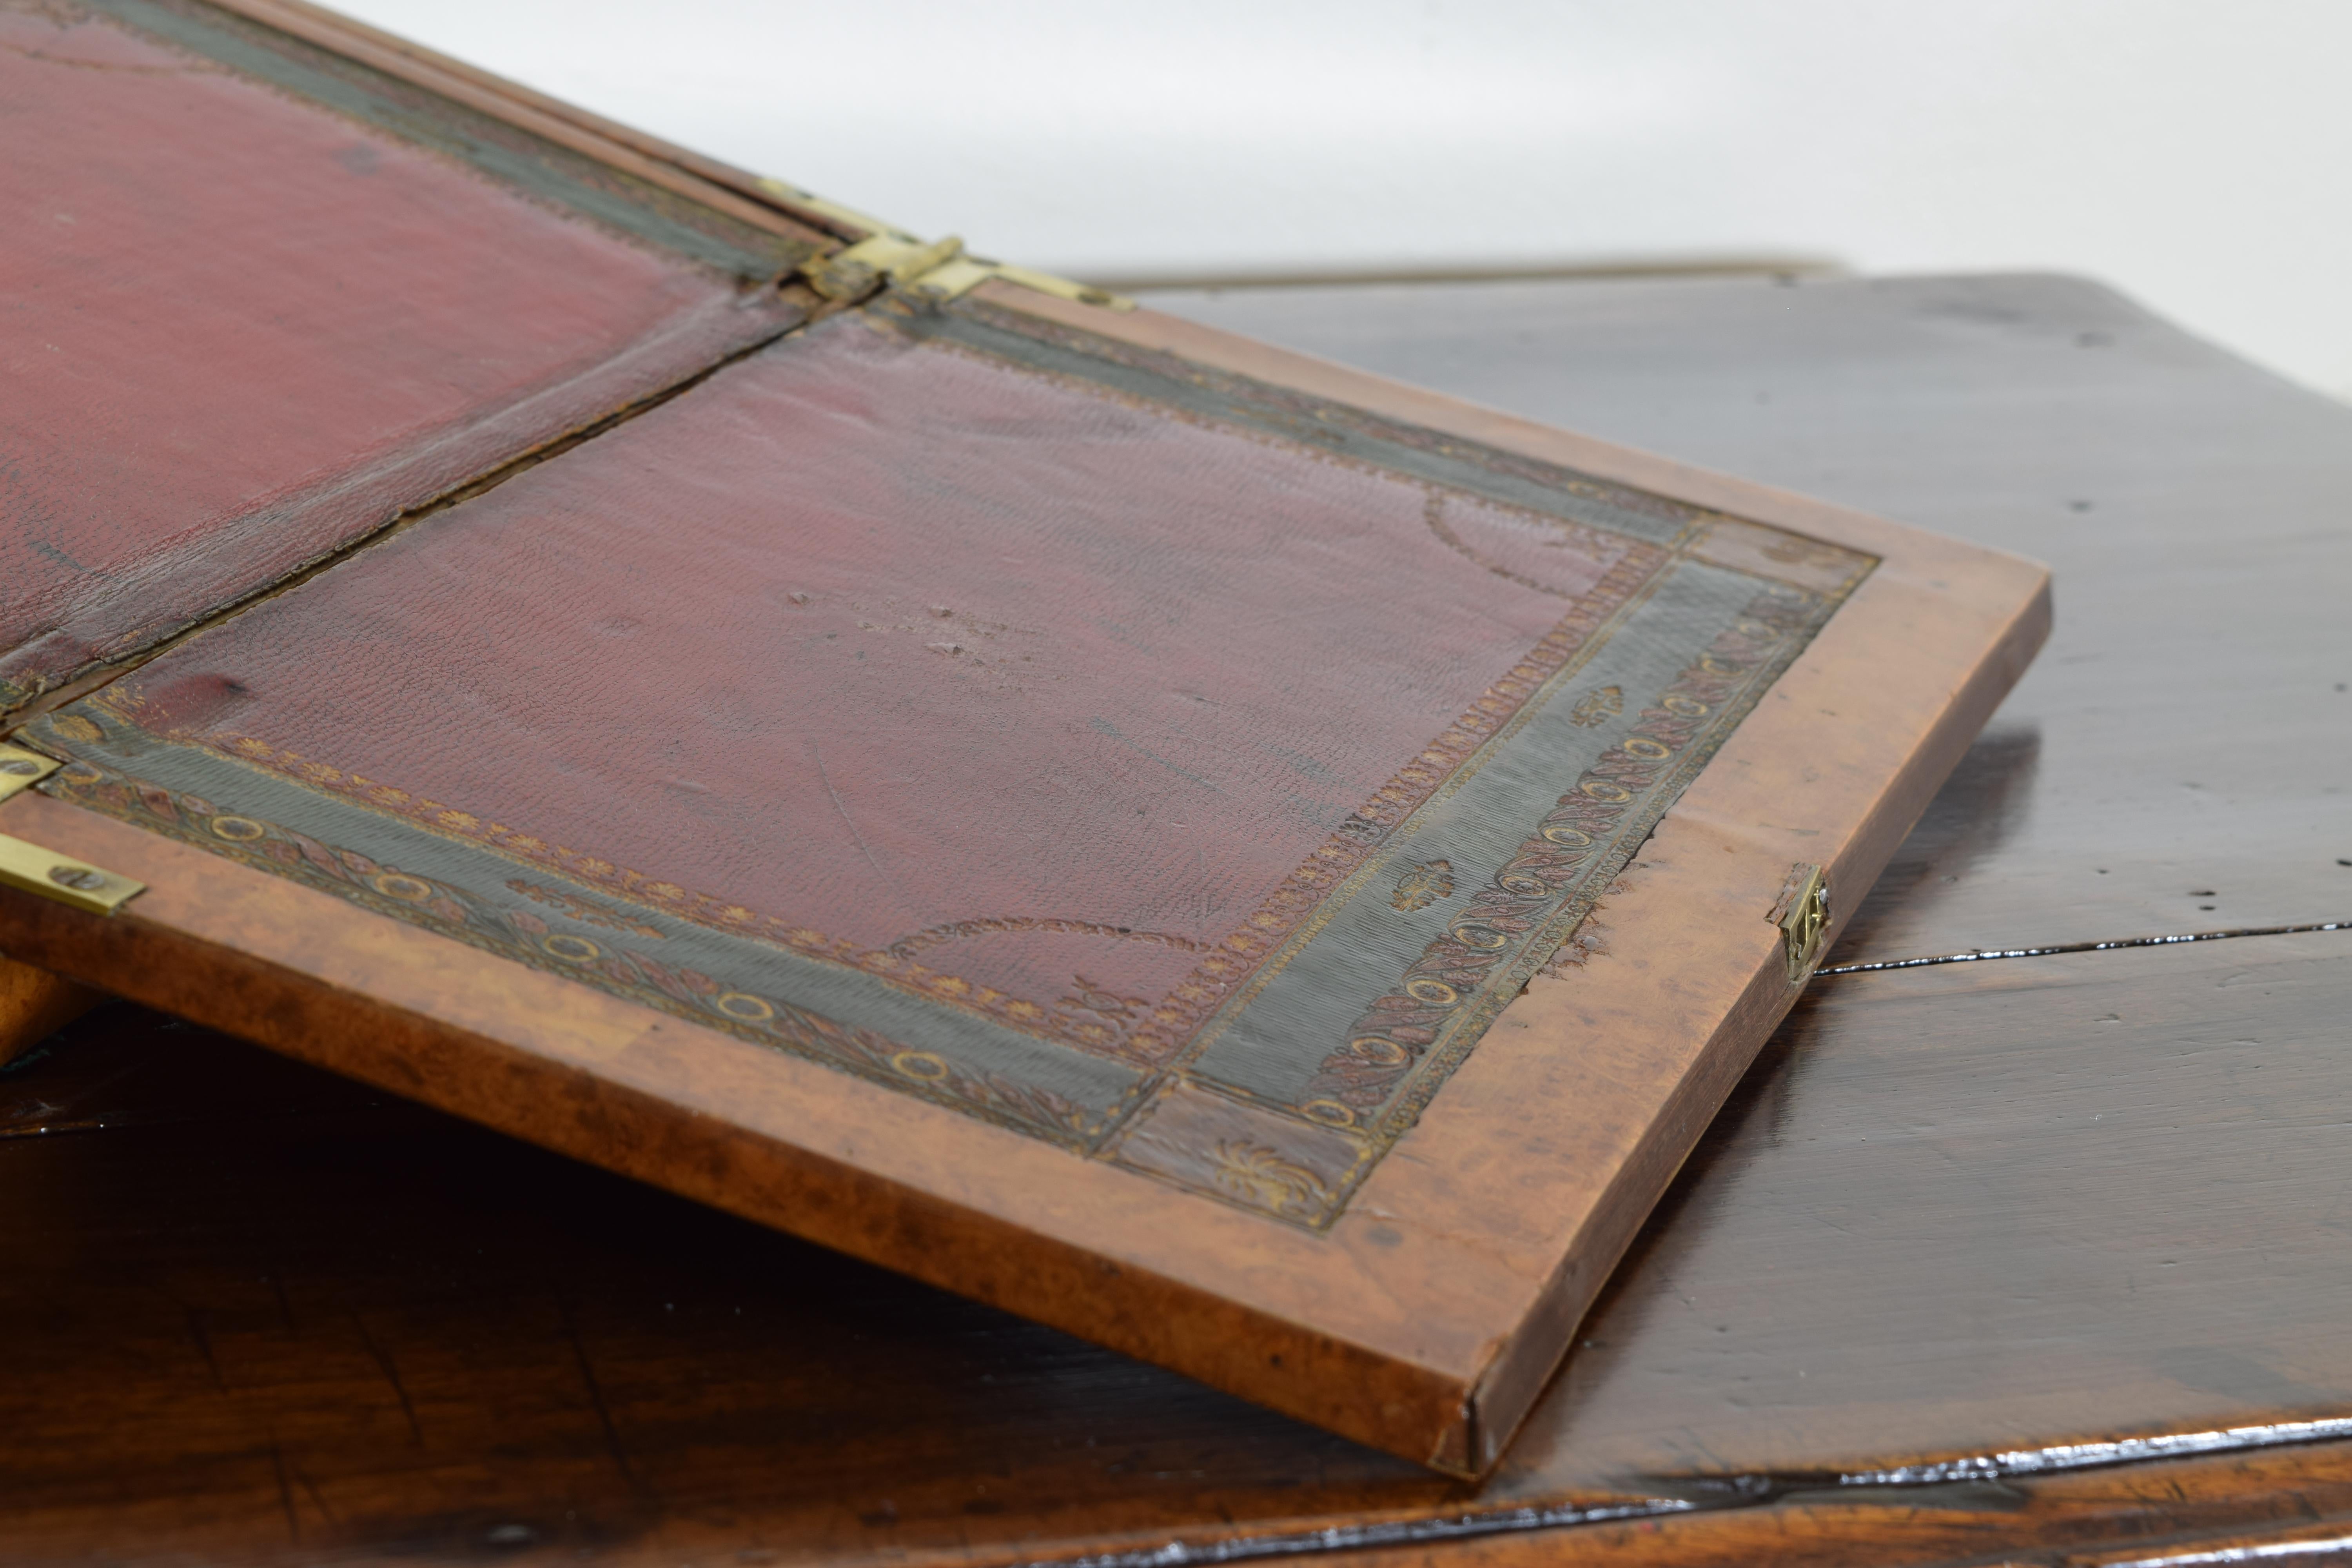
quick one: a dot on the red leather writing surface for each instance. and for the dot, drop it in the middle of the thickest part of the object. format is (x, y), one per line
(1176, 767)
(238, 329)
(909, 648)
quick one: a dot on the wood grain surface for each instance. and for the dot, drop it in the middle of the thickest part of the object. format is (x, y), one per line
(2031, 1259)
(1957, 1218)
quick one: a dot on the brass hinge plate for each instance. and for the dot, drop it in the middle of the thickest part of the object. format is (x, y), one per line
(931, 272)
(21, 770)
(874, 262)
(45, 872)
(1803, 916)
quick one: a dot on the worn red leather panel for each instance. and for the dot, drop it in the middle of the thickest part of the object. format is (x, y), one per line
(1161, 764)
(238, 329)
(783, 598)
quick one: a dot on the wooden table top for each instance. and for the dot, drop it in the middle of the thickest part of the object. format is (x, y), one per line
(2032, 1258)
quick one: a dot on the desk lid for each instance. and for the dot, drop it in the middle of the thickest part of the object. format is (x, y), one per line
(1256, 865)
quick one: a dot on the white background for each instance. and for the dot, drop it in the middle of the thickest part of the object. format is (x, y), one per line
(2196, 153)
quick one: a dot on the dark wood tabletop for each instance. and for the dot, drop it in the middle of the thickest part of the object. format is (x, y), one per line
(2041, 1258)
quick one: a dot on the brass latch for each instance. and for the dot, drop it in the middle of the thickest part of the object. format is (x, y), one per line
(51, 874)
(932, 272)
(1803, 916)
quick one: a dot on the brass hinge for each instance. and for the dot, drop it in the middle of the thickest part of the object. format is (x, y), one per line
(44, 872)
(1803, 916)
(21, 769)
(931, 272)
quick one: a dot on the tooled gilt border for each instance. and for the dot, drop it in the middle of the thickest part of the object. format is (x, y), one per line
(1403, 1047)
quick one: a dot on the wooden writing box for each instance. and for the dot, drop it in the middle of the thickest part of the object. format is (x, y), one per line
(1261, 867)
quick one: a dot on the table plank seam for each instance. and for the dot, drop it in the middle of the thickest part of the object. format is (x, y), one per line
(1981, 954)
(1730, 1493)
